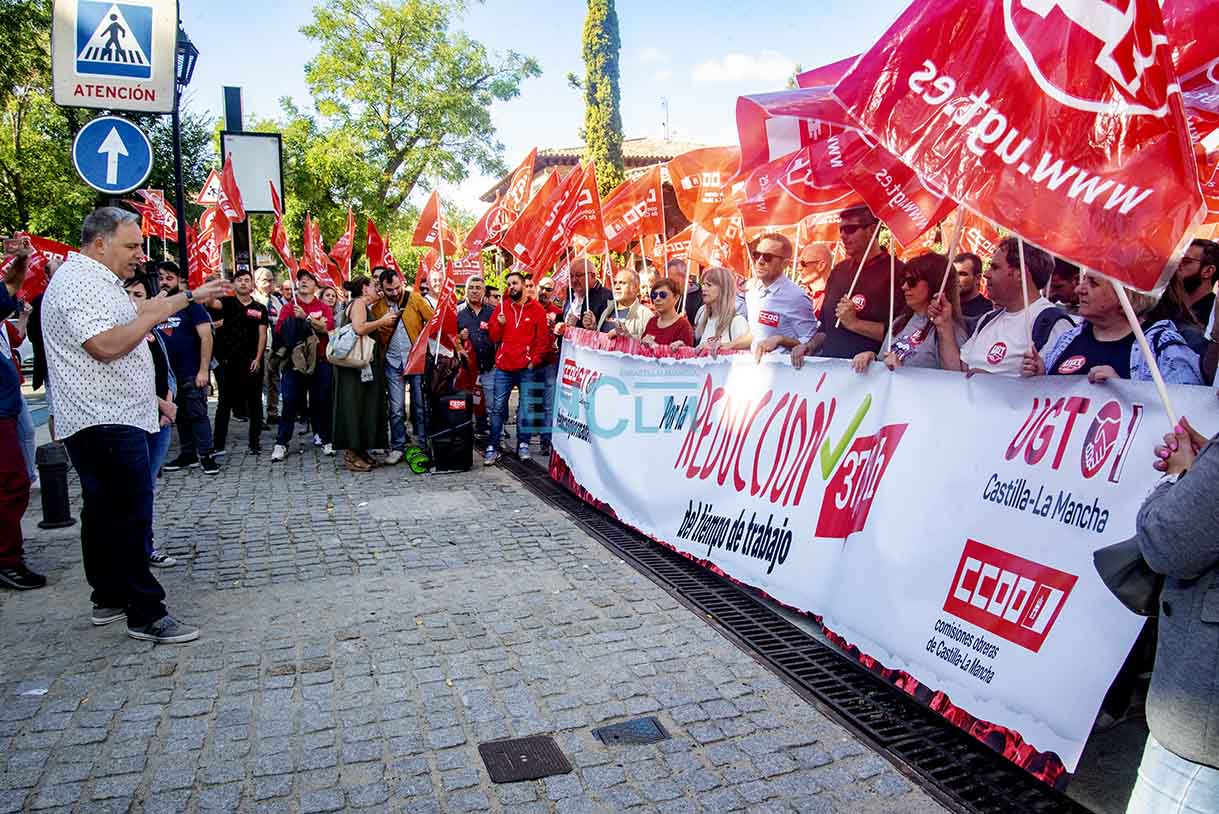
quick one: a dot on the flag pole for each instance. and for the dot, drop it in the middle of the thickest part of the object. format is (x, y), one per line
(952, 251)
(863, 261)
(796, 256)
(1141, 337)
(443, 272)
(892, 285)
(1024, 287)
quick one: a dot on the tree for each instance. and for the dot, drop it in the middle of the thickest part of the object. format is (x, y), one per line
(602, 113)
(401, 91)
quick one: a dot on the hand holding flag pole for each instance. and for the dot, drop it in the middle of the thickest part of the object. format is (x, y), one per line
(858, 271)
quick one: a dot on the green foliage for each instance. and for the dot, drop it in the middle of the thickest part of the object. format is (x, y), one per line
(404, 92)
(602, 113)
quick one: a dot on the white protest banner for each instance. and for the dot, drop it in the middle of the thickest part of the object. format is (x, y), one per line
(943, 525)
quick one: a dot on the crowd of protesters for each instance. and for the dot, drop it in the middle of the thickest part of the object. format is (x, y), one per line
(264, 342)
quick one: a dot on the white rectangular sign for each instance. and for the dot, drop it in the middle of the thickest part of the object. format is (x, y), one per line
(944, 526)
(115, 55)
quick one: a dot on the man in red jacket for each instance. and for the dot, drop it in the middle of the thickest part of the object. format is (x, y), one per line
(519, 327)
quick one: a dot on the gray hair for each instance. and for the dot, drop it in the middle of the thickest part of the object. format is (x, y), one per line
(104, 223)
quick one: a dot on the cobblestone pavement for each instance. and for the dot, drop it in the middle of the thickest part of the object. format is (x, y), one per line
(362, 634)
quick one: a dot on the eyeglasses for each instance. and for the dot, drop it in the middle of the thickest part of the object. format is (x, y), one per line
(911, 282)
(852, 228)
(546, 289)
(767, 257)
(659, 295)
(806, 263)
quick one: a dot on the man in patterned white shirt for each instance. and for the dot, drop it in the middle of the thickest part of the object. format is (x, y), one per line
(105, 409)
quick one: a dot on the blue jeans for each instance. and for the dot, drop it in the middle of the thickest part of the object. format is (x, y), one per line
(292, 387)
(158, 451)
(544, 379)
(194, 426)
(112, 462)
(505, 380)
(1169, 784)
(25, 436)
(397, 406)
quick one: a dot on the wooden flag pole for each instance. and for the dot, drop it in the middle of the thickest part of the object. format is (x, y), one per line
(863, 261)
(795, 275)
(444, 272)
(952, 252)
(1024, 287)
(892, 286)
(1141, 337)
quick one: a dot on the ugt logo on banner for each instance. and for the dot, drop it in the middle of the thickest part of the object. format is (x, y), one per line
(114, 39)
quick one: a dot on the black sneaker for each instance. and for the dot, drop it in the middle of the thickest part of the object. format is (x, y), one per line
(21, 578)
(210, 467)
(166, 630)
(220, 453)
(181, 462)
(544, 450)
(104, 616)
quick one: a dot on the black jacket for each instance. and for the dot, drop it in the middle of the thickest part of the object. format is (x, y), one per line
(476, 323)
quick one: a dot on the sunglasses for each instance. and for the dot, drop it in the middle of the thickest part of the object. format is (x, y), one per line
(767, 257)
(852, 228)
(911, 282)
(659, 295)
(546, 289)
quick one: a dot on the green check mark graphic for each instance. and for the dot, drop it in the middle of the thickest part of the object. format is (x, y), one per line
(829, 459)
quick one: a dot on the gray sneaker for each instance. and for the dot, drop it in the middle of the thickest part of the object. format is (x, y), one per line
(166, 630)
(158, 559)
(104, 616)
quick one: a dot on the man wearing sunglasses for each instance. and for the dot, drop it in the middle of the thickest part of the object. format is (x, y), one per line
(779, 312)
(855, 324)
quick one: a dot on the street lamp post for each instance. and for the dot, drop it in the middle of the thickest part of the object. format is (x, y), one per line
(188, 55)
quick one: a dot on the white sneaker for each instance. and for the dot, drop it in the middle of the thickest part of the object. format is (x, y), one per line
(491, 456)
(327, 449)
(317, 440)
(278, 453)
(393, 457)
(522, 452)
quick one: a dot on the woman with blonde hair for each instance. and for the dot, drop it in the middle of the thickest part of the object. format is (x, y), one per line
(717, 324)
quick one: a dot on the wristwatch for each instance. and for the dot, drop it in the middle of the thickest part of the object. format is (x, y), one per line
(190, 296)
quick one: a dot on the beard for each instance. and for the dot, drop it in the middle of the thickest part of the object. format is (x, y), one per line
(515, 296)
(1193, 282)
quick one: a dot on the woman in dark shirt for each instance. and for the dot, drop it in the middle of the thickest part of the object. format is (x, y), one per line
(164, 389)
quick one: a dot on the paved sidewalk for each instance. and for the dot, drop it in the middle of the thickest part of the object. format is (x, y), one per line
(362, 634)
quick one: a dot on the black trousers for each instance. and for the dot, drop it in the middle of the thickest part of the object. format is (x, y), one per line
(241, 392)
(116, 519)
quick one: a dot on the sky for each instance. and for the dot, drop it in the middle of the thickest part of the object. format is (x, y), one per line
(700, 56)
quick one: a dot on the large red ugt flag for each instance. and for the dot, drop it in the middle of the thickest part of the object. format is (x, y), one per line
(1059, 119)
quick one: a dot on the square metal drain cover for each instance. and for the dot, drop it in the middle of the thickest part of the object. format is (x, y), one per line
(531, 758)
(640, 730)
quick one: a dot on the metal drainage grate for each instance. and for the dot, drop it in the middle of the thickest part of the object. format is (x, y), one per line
(640, 730)
(961, 772)
(532, 758)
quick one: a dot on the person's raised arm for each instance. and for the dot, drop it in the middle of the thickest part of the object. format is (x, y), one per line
(118, 341)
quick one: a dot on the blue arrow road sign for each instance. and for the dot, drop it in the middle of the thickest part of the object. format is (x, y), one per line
(112, 155)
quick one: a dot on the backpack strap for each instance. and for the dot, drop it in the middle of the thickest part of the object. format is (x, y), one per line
(1044, 324)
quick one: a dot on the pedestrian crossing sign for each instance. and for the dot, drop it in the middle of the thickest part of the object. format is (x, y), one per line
(114, 39)
(115, 54)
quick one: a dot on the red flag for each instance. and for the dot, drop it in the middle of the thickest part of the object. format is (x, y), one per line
(702, 180)
(433, 230)
(896, 195)
(518, 188)
(429, 261)
(1063, 127)
(315, 252)
(811, 180)
(1195, 56)
(378, 252)
(547, 241)
(45, 250)
(279, 237)
(633, 209)
(342, 249)
(157, 219)
(460, 271)
(826, 75)
(203, 254)
(521, 233)
(771, 126)
(676, 248)
(229, 200)
(442, 325)
(489, 229)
